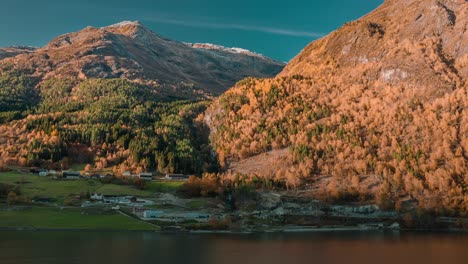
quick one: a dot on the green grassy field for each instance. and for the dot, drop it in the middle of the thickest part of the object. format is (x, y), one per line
(164, 186)
(33, 185)
(196, 204)
(114, 189)
(55, 218)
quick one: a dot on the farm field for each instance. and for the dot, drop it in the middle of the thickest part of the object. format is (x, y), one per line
(56, 218)
(33, 185)
(164, 186)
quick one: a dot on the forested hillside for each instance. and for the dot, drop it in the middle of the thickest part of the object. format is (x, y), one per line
(376, 109)
(102, 122)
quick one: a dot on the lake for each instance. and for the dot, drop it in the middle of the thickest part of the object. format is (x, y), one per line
(24, 247)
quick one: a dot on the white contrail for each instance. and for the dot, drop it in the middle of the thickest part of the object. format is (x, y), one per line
(213, 25)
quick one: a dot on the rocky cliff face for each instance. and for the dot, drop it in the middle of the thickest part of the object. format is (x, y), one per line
(131, 51)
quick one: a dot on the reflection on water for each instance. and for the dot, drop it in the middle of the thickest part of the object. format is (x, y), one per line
(97, 247)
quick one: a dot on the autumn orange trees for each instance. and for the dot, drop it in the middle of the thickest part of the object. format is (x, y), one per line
(207, 186)
(412, 146)
(103, 123)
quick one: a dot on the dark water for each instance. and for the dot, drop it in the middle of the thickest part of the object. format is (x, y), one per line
(363, 248)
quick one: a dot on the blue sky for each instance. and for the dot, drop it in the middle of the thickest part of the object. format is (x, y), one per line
(279, 29)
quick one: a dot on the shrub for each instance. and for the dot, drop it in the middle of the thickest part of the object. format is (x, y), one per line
(12, 198)
(207, 186)
(5, 189)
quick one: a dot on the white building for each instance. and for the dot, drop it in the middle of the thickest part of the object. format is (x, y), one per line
(71, 175)
(97, 197)
(152, 214)
(146, 176)
(178, 177)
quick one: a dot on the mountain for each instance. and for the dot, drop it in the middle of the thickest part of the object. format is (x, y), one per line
(422, 44)
(378, 110)
(131, 51)
(119, 96)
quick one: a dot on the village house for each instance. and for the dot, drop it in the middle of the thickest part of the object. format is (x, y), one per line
(176, 216)
(146, 176)
(110, 198)
(197, 216)
(177, 177)
(152, 214)
(106, 176)
(71, 175)
(42, 200)
(138, 210)
(94, 176)
(97, 197)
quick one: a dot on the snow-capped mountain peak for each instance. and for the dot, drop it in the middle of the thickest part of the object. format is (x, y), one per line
(123, 24)
(235, 50)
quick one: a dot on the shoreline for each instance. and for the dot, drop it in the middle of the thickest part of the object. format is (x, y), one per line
(290, 230)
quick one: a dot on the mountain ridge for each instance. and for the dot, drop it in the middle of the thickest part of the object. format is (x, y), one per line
(131, 51)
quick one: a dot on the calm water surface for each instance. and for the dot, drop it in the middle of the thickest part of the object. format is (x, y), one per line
(103, 248)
